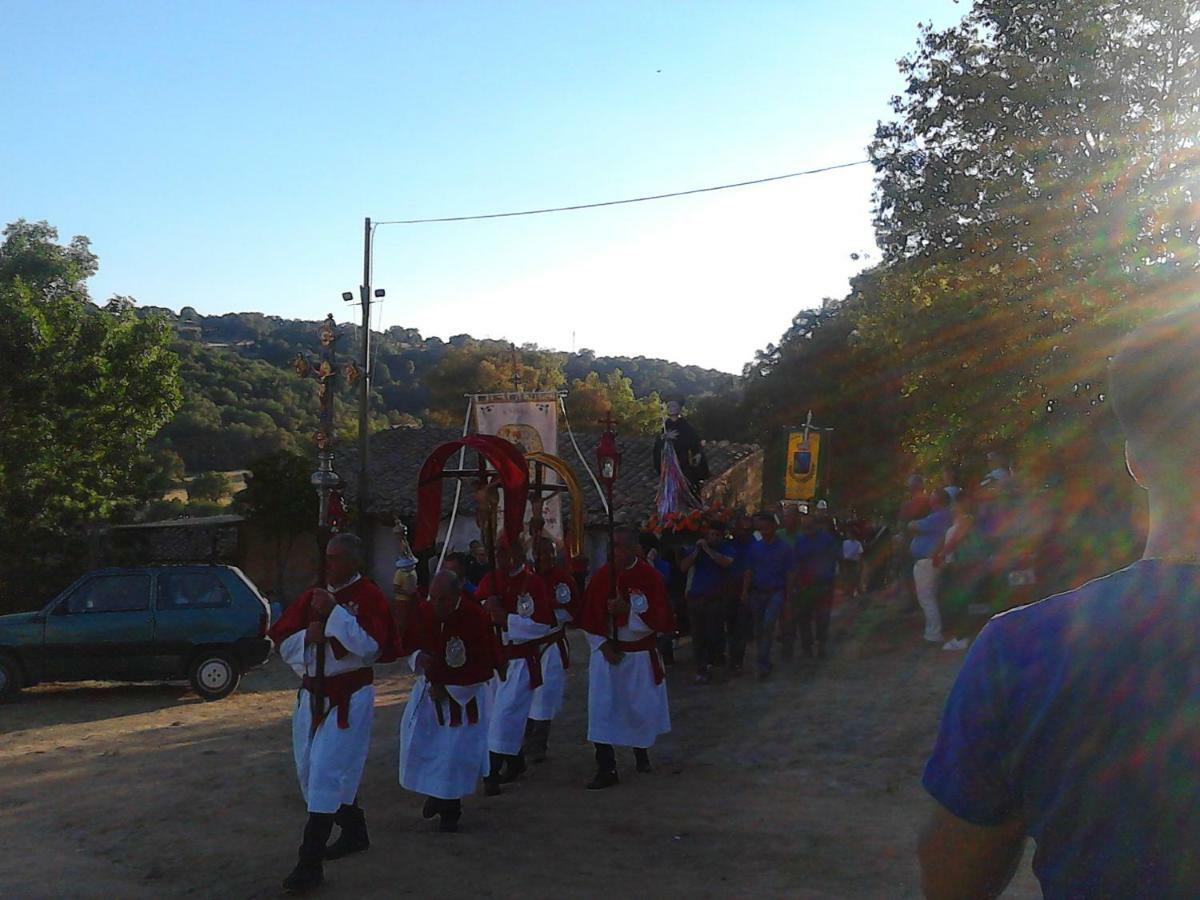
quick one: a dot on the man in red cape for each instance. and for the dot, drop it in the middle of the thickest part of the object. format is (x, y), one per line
(548, 699)
(520, 606)
(627, 688)
(351, 618)
(443, 735)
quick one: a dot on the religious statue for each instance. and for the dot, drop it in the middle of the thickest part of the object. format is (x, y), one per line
(679, 462)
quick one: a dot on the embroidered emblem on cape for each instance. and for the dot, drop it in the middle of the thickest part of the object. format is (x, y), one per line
(351, 607)
(525, 606)
(456, 653)
(562, 593)
(638, 602)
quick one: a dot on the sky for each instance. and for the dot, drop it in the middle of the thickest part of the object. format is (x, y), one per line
(223, 155)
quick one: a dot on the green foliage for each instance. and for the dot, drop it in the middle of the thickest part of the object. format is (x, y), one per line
(82, 392)
(208, 486)
(592, 398)
(1035, 199)
(280, 501)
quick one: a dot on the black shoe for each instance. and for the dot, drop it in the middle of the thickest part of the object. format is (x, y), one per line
(514, 769)
(306, 876)
(432, 807)
(642, 761)
(449, 822)
(604, 779)
(491, 787)
(353, 838)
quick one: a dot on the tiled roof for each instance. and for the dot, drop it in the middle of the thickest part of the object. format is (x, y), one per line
(396, 456)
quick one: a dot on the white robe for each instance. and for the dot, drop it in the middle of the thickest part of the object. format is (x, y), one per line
(548, 699)
(513, 696)
(330, 762)
(438, 760)
(625, 706)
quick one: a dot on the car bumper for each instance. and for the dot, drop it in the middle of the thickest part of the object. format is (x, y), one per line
(253, 652)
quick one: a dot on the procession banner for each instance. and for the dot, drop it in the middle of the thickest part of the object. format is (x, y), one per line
(531, 422)
(803, 463)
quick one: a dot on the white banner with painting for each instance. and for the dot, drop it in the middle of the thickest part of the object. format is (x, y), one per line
(531, 422)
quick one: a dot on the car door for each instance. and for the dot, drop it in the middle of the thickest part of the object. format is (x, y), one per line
(193, 608)
(101, 629)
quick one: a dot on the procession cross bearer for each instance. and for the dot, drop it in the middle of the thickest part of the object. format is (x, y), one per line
(625, 607)
(519, 605)
(331, 723)
(443, 733)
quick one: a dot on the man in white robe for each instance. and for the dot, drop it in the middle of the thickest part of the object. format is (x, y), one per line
(443, 733)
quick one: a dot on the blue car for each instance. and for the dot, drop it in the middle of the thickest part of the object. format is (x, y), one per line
(203, 623)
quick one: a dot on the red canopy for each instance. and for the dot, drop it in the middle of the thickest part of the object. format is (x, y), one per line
(510, 469)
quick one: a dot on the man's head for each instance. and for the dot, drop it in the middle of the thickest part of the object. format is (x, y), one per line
(507, 556)
(764, 523)
(674, 409)
(743, 527)
(625, 547)
(809, 523)
(444, 592)
(478, 551)
(791, 518)
(454, 563)
(344, 558)
(1155, 380)
(916, 482)
(713, 532)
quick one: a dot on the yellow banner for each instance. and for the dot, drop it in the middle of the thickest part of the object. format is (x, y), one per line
(803, 457)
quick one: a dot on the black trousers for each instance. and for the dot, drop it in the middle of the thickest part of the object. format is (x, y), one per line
(811, 612)
(606, 756)
(707, 613)
(739, 628)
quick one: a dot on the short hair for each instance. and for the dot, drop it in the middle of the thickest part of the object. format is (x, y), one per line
(351, 545)
(449, 575)
(765, 515)
(1155, 385)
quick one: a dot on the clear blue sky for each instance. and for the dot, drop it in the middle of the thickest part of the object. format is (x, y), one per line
(222, 155)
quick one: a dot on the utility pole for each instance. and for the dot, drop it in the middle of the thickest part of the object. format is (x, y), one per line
(364, 396)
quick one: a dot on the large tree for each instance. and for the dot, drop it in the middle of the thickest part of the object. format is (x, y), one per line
(1036, 197)
(82, 392)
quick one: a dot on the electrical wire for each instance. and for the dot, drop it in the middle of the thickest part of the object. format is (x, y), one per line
(578, 206)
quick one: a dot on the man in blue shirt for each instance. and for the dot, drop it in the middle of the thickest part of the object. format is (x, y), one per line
(816, 552)
(739, 623)
(764, 586)
(707, 562)
(1075, 721)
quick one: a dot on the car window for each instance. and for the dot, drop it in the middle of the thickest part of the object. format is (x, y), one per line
(191, 590)
(111, 593)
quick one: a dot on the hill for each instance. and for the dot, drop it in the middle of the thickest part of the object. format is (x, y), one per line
(241, 398)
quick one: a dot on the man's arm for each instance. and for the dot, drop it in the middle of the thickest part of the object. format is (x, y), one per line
(962, 860)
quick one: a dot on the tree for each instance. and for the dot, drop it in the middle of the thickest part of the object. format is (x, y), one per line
(280, 501)
(592, 398)
(1035, 199)
(82, 392)
(208, 486)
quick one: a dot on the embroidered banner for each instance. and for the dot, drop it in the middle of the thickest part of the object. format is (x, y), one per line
(531, 422)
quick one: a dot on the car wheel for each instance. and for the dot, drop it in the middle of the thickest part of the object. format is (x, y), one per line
(10, 678)
(214, 675)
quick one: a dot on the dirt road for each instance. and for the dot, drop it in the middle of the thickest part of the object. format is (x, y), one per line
(803, 786)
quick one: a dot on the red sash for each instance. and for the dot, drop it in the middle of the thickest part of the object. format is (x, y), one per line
(648, 643)
(338, 689)
(531, 652)
(456, 711)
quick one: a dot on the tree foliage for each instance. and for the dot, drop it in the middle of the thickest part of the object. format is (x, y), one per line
(82, 392)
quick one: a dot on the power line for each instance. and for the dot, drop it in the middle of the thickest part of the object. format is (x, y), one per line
(577, 206)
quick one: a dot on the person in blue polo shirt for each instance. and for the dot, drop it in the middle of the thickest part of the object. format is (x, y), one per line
(1076, 720)
(816, 552)
(708, 562)
(764, 586)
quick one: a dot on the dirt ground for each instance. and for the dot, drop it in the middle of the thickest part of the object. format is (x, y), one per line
(802, 786)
